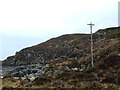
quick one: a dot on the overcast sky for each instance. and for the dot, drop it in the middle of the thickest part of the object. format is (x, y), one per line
(25, 23)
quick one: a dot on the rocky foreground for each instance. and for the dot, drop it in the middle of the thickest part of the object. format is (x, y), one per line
(65, 62)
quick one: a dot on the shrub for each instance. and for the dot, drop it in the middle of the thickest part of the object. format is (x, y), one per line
(112, 60)
(109, 79)
(41, 81)
(7, 88)
(114, 35)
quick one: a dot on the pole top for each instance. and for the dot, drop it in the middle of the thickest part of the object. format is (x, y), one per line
(91, 24)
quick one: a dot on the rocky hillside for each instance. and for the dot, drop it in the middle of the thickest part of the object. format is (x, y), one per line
(65, 61)
(65, 45)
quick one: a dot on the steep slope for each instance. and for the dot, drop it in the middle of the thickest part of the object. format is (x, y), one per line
(60, 46)
(43, 51)
(67, 60)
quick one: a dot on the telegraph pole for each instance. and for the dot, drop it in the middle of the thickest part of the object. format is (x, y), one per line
(91, 43)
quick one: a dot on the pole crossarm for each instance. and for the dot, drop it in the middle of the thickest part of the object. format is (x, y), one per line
(91, 24)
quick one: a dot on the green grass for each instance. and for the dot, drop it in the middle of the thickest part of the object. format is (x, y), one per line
(101, 40)
(10, 82)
